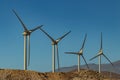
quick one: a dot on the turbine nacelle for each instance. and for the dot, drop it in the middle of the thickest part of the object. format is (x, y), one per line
(26, 33)
(80, 52)
(54, 42)
(100, 52)
(57, 41)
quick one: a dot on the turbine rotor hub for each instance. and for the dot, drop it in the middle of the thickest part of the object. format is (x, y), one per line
(54, 43)
(101, 51)
(81, 51)
(26, 33)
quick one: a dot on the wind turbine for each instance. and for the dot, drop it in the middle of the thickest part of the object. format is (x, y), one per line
(80, 53)
(54, 48)
(99, 55)
(26, 35)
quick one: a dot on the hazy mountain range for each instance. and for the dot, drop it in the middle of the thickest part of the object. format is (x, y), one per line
(104, 67)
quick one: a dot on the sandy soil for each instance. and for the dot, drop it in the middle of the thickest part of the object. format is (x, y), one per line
(7, 74)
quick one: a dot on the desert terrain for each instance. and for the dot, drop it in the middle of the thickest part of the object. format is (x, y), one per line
(9, 74)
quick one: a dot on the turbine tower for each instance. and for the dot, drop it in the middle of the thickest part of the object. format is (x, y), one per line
(54, 48)
(80, 53)
(26, 35)
(100, 53)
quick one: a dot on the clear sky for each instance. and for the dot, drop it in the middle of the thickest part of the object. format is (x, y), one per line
(58, 17)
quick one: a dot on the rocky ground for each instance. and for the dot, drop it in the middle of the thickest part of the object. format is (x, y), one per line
(7, 74)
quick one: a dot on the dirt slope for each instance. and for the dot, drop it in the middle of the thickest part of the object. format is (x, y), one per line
(7, 74)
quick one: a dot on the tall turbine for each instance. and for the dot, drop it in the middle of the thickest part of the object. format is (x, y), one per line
(54, 48)
(26, 35)
(80, 53)
(100, 53)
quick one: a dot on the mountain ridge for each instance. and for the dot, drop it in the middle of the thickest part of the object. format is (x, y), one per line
(104, 67)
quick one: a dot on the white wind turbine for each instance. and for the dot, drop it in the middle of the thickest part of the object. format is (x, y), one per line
(54, 48)
(99, 55)
(26, 35)
(80, 53)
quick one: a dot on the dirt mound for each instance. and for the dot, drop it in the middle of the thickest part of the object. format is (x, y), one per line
(6, 74)
(19, 75)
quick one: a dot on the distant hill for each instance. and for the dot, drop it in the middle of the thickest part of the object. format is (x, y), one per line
(104, 67)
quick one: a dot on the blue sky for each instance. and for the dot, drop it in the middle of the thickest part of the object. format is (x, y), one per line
(58, 17)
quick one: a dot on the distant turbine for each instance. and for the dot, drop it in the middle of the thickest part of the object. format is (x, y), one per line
(99, 55)
(54, 48)
(80, 53)
(26, 35)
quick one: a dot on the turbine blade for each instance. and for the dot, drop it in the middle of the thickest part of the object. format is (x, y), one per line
(85, 61)
(72, 53)
(29, 50)
(25, 28)
(59, 39)
(58, 57)
(38, 27)
(108, 59)
(95, 57)
(47, 34)
(84, 41)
